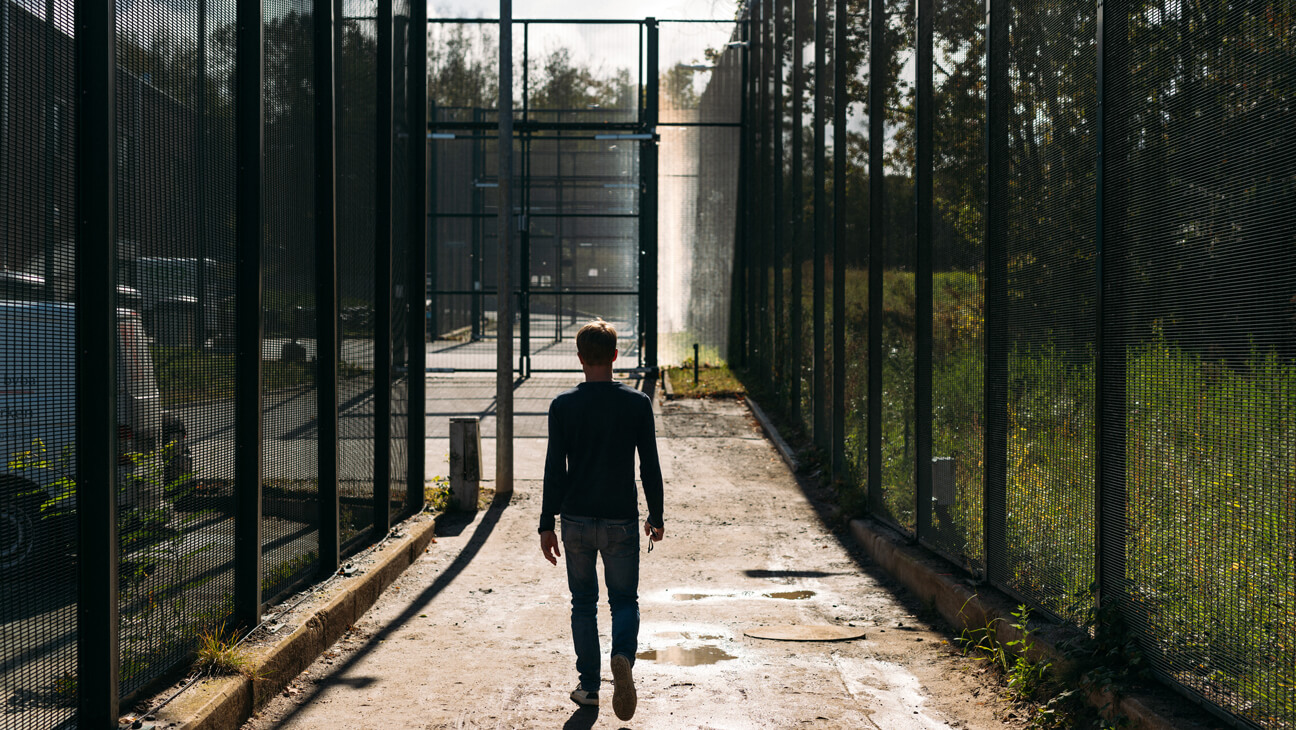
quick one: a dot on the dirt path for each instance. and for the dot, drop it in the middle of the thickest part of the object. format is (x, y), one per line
(475, 634)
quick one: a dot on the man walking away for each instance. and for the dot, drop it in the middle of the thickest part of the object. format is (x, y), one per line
(594, 430)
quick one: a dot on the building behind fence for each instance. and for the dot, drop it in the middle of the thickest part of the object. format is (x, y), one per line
(1026, 272)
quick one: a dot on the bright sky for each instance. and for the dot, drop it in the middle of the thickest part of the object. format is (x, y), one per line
(593, 9)
(606, 48)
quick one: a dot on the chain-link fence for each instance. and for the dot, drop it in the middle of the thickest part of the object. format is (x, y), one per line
(1051, 333)
(207, 393)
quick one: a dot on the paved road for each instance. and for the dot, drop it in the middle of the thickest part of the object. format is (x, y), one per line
(475, 633)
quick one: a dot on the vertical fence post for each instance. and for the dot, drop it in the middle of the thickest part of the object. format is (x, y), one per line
(759, 189)
(878, 57)
(326, 311)
(923, 284)
(96, 342)
(821, 79)
(249, 148)
(1110, 494)
(778, 362)
(416, 336)
(798, 207)
(429, 240)
(382, 343)
(738, 348)
(504, 265)
(768, 232)
(751, 72)
(998, 104)
(648, 199)
(839, 244)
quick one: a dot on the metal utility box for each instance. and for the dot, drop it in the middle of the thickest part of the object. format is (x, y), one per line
(465, 462)
(944, 490)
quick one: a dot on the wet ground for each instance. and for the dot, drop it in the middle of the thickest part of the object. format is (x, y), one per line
(475, 633)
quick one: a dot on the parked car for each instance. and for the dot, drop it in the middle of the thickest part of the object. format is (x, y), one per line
(38, 428)
(171, 300)
(166, 291)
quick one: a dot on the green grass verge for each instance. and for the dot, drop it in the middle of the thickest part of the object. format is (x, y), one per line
(716, 381)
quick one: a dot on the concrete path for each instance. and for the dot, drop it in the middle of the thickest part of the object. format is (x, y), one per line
(475, 634)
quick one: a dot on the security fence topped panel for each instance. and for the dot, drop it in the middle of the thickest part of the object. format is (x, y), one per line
(697, 60)
(200, 506)
(38, 508)
(1048, 310)
(958, 283)
(1199, 339)
(1093, 420)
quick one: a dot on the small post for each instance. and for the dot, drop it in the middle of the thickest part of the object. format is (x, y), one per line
(465, 462)
(695, 364)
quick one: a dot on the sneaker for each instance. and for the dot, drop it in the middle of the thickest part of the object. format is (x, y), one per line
(623, 691)
(584, 697)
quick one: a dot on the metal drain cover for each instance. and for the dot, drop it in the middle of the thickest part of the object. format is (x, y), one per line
(812, 632)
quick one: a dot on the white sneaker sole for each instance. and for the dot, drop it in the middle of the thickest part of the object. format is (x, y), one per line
(623, 689)
(584, 701)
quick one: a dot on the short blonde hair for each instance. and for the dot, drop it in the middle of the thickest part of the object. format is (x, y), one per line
(597, 342)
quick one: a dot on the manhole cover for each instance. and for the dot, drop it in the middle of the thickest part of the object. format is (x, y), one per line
(793, 632)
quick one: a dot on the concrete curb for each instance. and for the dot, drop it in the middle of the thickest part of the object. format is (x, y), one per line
(919, 571)
(773, 434)
(225, 703)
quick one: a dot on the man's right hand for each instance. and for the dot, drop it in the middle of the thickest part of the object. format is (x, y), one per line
(654, 533)
(549, 546)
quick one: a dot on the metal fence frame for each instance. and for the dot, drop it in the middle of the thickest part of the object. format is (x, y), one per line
(776, 360)
(97, 695)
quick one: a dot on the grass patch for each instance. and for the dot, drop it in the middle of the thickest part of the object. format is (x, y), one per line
(186, 375)
(219, 653)
(714, 381)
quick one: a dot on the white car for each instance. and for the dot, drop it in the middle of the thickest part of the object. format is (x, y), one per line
(38, 428)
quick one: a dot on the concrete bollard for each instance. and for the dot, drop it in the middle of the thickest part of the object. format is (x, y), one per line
(465, 462)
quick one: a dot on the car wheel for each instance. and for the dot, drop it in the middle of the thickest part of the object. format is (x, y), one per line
(20, 531)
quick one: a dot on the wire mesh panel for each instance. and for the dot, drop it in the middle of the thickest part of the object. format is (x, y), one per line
(698, 191)
(858, 217)
(958, 280)
(590, 68)
(463, 190)
(176, 252)
(693, 58)
(1201, 206)
(463, 69)
(899, 266)
(290, 490)
(1050, 304)
(357, 305)
(37, 323)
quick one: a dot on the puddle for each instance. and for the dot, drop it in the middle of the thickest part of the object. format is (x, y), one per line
(686, 657)
(691, 596)
(791, 595)
(687, 636)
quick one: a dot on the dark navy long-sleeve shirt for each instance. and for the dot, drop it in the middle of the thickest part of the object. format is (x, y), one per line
(594, 430)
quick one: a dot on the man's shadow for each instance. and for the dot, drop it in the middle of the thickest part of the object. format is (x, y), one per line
(582, 719)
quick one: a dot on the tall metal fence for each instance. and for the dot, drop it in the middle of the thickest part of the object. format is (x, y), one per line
(1026, 273)
(206, 359)
(626, 140)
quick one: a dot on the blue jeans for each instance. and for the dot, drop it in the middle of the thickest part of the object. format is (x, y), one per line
(584, 538)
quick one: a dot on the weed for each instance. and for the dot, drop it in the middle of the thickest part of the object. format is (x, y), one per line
(436, 494)
(219, 653)
(1025, 676)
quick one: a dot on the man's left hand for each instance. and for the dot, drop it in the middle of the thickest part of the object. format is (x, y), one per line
(549, 546)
